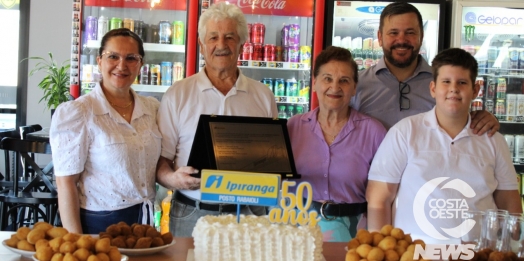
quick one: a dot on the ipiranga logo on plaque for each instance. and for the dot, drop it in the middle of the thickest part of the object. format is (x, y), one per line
(234, 187)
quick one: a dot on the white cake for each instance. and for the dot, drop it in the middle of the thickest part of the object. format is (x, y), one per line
(221, 238)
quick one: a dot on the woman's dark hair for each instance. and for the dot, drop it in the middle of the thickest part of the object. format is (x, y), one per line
(121, 32)
(334, 53)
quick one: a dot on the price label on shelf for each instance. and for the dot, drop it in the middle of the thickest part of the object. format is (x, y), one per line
(271, 65)
(259, 64)
(292, 99)
(242, 63)
(519, 119)
(293, 65)
(283, 99)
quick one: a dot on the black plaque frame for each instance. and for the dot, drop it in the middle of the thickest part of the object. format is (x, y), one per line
(202, 155)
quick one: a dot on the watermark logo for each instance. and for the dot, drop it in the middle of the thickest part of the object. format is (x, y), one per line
(448, 208)
(470, 17)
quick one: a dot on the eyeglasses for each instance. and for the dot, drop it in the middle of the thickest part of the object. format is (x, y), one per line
(403, 100)
(131, 60)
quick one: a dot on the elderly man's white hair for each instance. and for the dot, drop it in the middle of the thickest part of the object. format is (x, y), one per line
(220, 12)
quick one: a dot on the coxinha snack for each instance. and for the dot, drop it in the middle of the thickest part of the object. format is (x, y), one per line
(390, 244)
(135, 236)
(57, 244)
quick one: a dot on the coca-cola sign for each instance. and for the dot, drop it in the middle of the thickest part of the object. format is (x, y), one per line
(274, 7)
(143, 4)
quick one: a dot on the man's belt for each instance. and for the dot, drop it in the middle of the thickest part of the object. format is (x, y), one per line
(329, 209)
(205, 206)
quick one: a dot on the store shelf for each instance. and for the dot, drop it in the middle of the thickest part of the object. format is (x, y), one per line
(148, 47)
(519, 75)
(273, 65)
(150, 88)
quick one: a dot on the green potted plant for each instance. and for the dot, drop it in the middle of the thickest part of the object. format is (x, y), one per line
(55, 83)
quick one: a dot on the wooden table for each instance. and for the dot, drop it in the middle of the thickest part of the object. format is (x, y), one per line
(177, 252)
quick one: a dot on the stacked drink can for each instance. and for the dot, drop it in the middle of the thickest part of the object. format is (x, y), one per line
(165, 73)
(505, 106)
(516, 147)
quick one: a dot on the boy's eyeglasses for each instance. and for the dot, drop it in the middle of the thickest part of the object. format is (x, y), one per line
(131, 60)
(403, 100)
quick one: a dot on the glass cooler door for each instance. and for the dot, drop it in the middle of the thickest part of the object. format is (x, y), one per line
(160, 24)
(278, 51)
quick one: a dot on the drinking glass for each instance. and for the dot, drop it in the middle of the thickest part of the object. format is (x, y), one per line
(515, 236)
(497, 211)
(495, 232)
(472, 232)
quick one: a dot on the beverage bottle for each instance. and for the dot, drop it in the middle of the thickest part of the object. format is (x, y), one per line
(282, 112)
(157, 214)
(166, 206)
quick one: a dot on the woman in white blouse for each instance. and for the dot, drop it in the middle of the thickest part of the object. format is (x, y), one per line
(106, 144)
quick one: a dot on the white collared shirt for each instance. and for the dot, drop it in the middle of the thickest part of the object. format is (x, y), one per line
(183, 103)
(417, 150)
(116, 159)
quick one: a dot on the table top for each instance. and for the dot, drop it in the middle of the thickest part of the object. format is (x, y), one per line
(177, 252)
(42, 135)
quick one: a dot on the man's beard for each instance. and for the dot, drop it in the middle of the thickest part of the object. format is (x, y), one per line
(401, 64)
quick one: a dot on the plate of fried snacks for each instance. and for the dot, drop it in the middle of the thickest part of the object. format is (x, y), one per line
(137, 239)
(387, 244)
(45, 242)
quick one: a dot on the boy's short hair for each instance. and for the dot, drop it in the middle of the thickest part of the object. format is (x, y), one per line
(455, 57)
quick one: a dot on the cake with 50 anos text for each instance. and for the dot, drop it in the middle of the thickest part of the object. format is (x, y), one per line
(254, 238)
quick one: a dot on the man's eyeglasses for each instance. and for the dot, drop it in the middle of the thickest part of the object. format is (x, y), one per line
(403, 100)
(131, 60)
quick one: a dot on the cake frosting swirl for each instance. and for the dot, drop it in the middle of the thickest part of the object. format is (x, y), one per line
(221, 238)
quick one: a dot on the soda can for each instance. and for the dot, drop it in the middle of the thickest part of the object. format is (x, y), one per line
(291, 88)
(510, 140)
(476, 105)
(501, 88)
(305, 54)
(294, 54)
(520, 105)
(247, 51)
(500, 109)
(249, 31)
(178, 71)
(115, 23)
(155, 74)
(511, 107)
(144, 74)
(490, 106)
(166, 73)
(513, 56)
(164, 32)
(294, 35)
(492, 56)
(279, 51)
(178, 32)
(519, 149)
(129, 24)
(269, 52)
(91, 28)
(285, 54)
(491, 88)
(280, 88)
(481, 83)
(290, 110)
(269, 83)
(258, 32)
(521, 60)
(258, 52)
(138, 26)
(304, 87)
(285, 35)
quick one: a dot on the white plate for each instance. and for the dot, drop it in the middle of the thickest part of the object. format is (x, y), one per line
(18, 251)
(191, 255)
(124, 258)
(144, 251)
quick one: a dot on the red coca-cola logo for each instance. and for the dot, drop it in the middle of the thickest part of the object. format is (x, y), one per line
(266, 4)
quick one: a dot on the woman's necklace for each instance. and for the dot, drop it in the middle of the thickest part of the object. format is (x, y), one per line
(122, 107)
(330, 135)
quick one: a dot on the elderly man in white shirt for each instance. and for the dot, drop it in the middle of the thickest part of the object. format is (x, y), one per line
(220, 89)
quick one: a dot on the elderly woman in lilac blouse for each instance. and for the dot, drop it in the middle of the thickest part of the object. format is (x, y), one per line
(333, 146)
